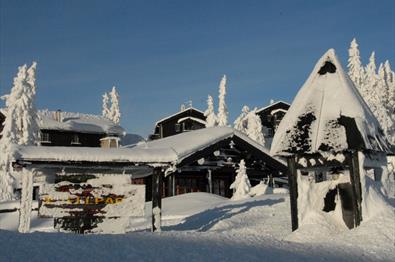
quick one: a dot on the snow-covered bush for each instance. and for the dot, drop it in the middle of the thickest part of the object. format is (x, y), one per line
(254, 128)
(241, 122)
(260, 189)
(241, 185)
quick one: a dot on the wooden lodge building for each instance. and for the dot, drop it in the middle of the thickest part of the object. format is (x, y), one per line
(271, 117)
(59, 128)
(187, 119)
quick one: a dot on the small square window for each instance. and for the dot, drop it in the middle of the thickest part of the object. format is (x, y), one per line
(178, 128)
(75, 140)
(44, 137)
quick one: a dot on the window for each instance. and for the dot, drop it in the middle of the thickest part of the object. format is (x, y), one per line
(178, 128)
(75, 140)
(45, 137)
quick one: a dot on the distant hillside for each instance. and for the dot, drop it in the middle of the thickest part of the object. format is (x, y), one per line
(131, 139)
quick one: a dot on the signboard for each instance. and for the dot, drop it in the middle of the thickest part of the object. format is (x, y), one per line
(81, 206)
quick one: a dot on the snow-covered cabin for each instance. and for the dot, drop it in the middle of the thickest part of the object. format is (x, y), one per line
(198, 161)
(331, 140)
(60, 128)
(187, 119)
(271, 116)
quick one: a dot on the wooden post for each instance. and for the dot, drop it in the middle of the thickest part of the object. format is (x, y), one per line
(293, 191)
(171, 184)
(355, 180)
(210, 182)
(156, 199)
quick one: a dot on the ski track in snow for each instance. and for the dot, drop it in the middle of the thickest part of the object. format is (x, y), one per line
(257, 229)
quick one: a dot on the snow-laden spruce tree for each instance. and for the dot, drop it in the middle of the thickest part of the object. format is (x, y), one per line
(241, 185)
(115, 112)
(211, 118)
(241, 122)
(20, 125)
(355, 68)
(106, 106)
(254, 127)
(30, 129)
(222, 116)
(376, 88)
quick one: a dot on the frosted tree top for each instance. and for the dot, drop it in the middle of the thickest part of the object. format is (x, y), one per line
(328, 114)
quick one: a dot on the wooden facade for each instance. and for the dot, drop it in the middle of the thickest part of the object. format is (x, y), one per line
(70, 138)
(73, 138)
(186, 120)
(272, 115)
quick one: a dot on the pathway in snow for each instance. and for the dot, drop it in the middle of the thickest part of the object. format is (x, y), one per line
(214, 229)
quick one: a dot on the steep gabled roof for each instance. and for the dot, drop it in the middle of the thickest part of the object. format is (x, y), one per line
(178, 113)
(271, 105)
(328, 114)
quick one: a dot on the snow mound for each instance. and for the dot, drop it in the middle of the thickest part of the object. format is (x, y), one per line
(328, 114)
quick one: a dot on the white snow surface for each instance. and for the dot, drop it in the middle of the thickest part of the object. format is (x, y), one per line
(78, 122)
(327, 97)
(204, 227)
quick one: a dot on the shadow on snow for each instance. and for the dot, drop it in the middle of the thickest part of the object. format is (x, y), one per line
(205, 220)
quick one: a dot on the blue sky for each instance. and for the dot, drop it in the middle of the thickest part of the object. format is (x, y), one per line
(160, 54)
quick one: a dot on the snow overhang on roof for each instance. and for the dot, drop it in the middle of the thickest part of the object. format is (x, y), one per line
(78, 122)
(328, 114)
(170, 150)
(191, 118)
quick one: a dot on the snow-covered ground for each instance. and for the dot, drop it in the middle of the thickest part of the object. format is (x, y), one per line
(204, 227)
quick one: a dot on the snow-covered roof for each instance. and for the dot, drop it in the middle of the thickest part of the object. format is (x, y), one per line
(193, 119)
(328, 114)
(173, 149)
(268, 106)
(179, 112)
(78, 122)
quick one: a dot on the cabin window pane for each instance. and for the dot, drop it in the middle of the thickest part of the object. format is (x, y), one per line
(45, 137)
(75, 140)
(178, 128)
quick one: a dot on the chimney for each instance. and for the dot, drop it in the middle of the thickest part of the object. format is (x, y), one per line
(58, 115)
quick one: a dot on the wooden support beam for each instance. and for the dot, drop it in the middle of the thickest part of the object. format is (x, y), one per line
(210, 181)
(156, 199)
(355, 179)
(171, 184)
(293, 191)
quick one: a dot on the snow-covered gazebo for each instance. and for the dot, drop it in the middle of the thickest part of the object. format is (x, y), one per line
(330, 135)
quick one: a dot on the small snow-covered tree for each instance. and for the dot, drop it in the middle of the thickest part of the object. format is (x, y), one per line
(254, 127)
(211, 118)
(355, 68)
(222, 117)
(241, 185)
(241, 122)
(106, 106)
(115, 113)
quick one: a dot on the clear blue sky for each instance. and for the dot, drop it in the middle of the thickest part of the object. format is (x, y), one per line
(162, 53)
